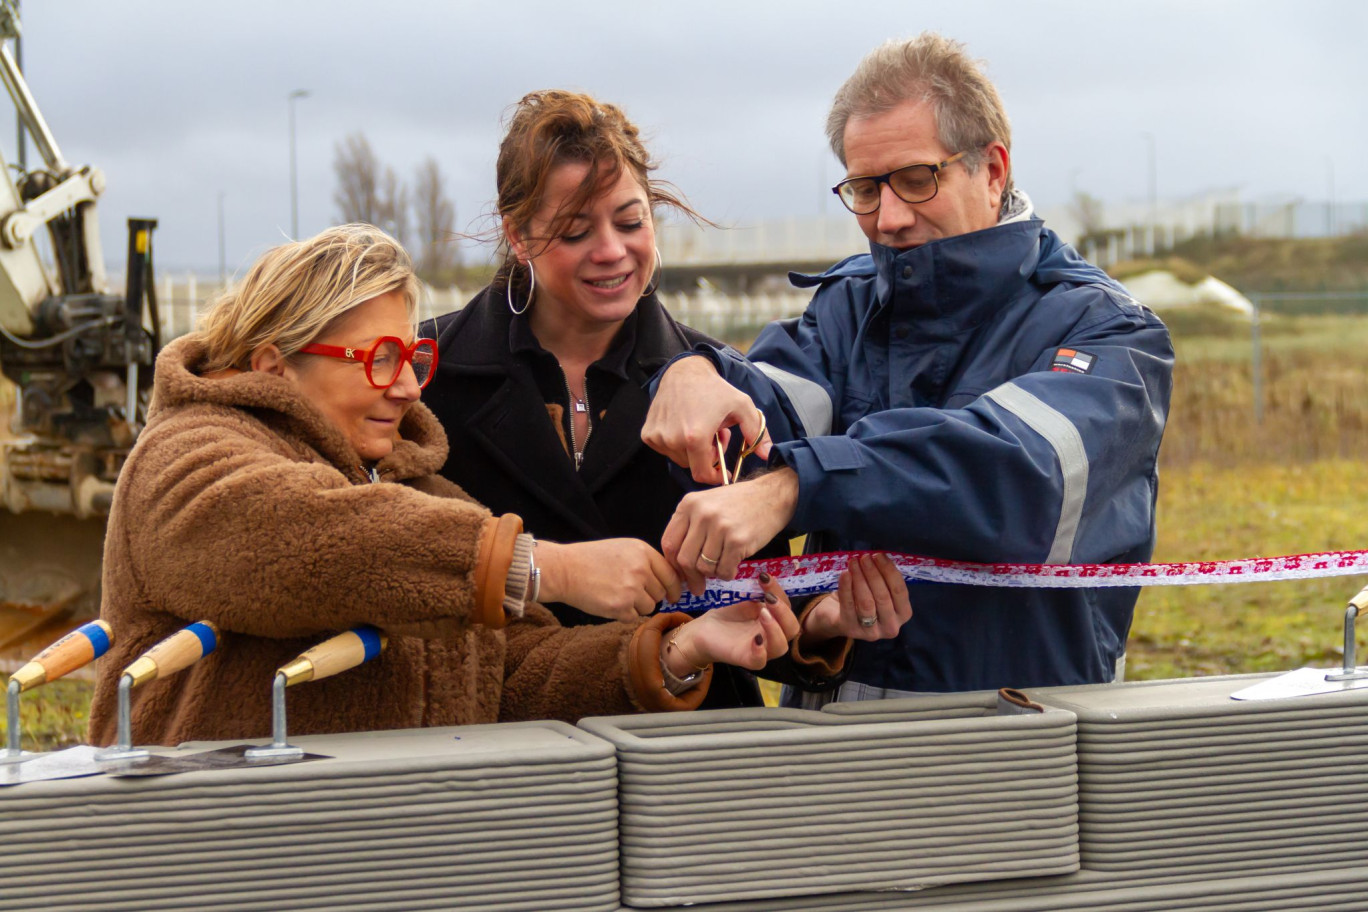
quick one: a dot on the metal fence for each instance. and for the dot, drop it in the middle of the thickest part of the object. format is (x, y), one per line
(1291, 219)
(816, 239)
(181, 299)
(1305, 303)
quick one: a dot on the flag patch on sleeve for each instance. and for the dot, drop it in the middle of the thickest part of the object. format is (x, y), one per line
(1072, 361)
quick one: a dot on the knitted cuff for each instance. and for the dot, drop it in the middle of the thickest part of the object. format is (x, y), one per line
(518, 586)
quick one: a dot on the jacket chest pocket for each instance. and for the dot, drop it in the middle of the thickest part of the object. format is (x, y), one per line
(855, 404)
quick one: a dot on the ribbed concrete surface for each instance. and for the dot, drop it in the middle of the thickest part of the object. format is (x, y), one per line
(749, 804)
(496, 817)
(1176, 776)
(1189, 800)
(1344, 889)
(1175, 796)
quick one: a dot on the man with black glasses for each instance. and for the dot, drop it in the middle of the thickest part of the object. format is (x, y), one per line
(971, 389)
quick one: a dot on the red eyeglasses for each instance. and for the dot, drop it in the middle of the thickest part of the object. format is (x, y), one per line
(385, 359)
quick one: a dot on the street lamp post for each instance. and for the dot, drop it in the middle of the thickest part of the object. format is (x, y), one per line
(294, 179)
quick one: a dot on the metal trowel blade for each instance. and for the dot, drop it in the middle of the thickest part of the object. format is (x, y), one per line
(222, 758)
(1300, 683)
(71, 763)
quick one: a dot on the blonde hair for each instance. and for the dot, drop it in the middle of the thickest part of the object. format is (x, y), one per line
(294, 291)
(935, 69)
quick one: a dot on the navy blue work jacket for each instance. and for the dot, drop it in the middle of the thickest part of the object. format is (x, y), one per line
(986, 397)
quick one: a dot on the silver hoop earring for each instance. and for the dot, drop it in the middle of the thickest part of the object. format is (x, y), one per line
(531, 289)
(655, 279)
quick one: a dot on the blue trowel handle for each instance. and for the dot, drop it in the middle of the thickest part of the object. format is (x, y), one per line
(178, 651)
(80, 647)
(346, 650)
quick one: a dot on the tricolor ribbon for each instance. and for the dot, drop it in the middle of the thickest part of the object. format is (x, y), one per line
(817, 573)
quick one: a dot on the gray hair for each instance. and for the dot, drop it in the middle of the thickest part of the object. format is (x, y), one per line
(931, 68)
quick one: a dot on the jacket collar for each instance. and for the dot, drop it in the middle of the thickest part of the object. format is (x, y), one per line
(953, 283)
(511, 423)
(489, 333)
(180, 382)
(522, 341)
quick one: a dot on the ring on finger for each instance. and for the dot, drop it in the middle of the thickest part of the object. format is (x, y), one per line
(707, 560)
(868, 621)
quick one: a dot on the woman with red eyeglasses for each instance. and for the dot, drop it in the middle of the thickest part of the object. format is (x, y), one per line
(285, 488)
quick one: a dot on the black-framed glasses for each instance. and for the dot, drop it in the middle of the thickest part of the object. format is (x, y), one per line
(912, 184)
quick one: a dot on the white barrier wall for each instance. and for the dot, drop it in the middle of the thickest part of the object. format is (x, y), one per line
(181, 299)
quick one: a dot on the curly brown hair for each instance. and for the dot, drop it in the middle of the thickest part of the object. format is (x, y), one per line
(554, 127)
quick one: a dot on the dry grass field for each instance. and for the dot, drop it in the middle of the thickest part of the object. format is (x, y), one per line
(1230, 488)
(1218, 512)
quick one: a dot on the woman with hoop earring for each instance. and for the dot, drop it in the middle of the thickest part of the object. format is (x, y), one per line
(541, 378)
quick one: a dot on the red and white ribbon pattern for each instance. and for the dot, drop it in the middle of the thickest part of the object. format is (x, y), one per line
(817, 573)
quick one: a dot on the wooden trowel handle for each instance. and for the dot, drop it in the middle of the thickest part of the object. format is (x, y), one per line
(337, 654)
(80, 647)
(178, 651)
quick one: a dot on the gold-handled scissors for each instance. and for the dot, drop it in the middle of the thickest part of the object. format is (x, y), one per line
(746, 450)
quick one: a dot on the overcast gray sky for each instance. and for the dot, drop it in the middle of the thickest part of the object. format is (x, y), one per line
(181, 100)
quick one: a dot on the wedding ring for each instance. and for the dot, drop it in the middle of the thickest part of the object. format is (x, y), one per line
(707, 560)
(868, 621)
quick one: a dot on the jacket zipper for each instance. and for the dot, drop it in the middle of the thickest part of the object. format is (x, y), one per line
(588, 416)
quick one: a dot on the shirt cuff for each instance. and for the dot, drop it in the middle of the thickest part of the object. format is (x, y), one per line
(826, 659)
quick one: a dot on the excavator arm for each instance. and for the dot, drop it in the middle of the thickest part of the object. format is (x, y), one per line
(75, 370)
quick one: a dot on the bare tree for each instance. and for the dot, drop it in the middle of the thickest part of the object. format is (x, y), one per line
(392, 206)
(358, 180)
(438, 255)
(365, 192)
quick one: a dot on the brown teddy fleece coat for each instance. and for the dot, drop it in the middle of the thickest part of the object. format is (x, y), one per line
(241, 504)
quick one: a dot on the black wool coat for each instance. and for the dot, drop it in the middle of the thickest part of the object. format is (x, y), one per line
(496, 392)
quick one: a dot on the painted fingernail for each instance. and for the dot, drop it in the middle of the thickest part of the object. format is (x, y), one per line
(771, 598)
(759, 640)
(765, 577)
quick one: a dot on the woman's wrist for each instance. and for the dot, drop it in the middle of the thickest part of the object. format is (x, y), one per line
(811, 630)
(679, 654)
(550, 559)
(679, 673)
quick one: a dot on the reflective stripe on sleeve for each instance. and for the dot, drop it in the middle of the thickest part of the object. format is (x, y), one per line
(1059, 433)
(809, 400)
